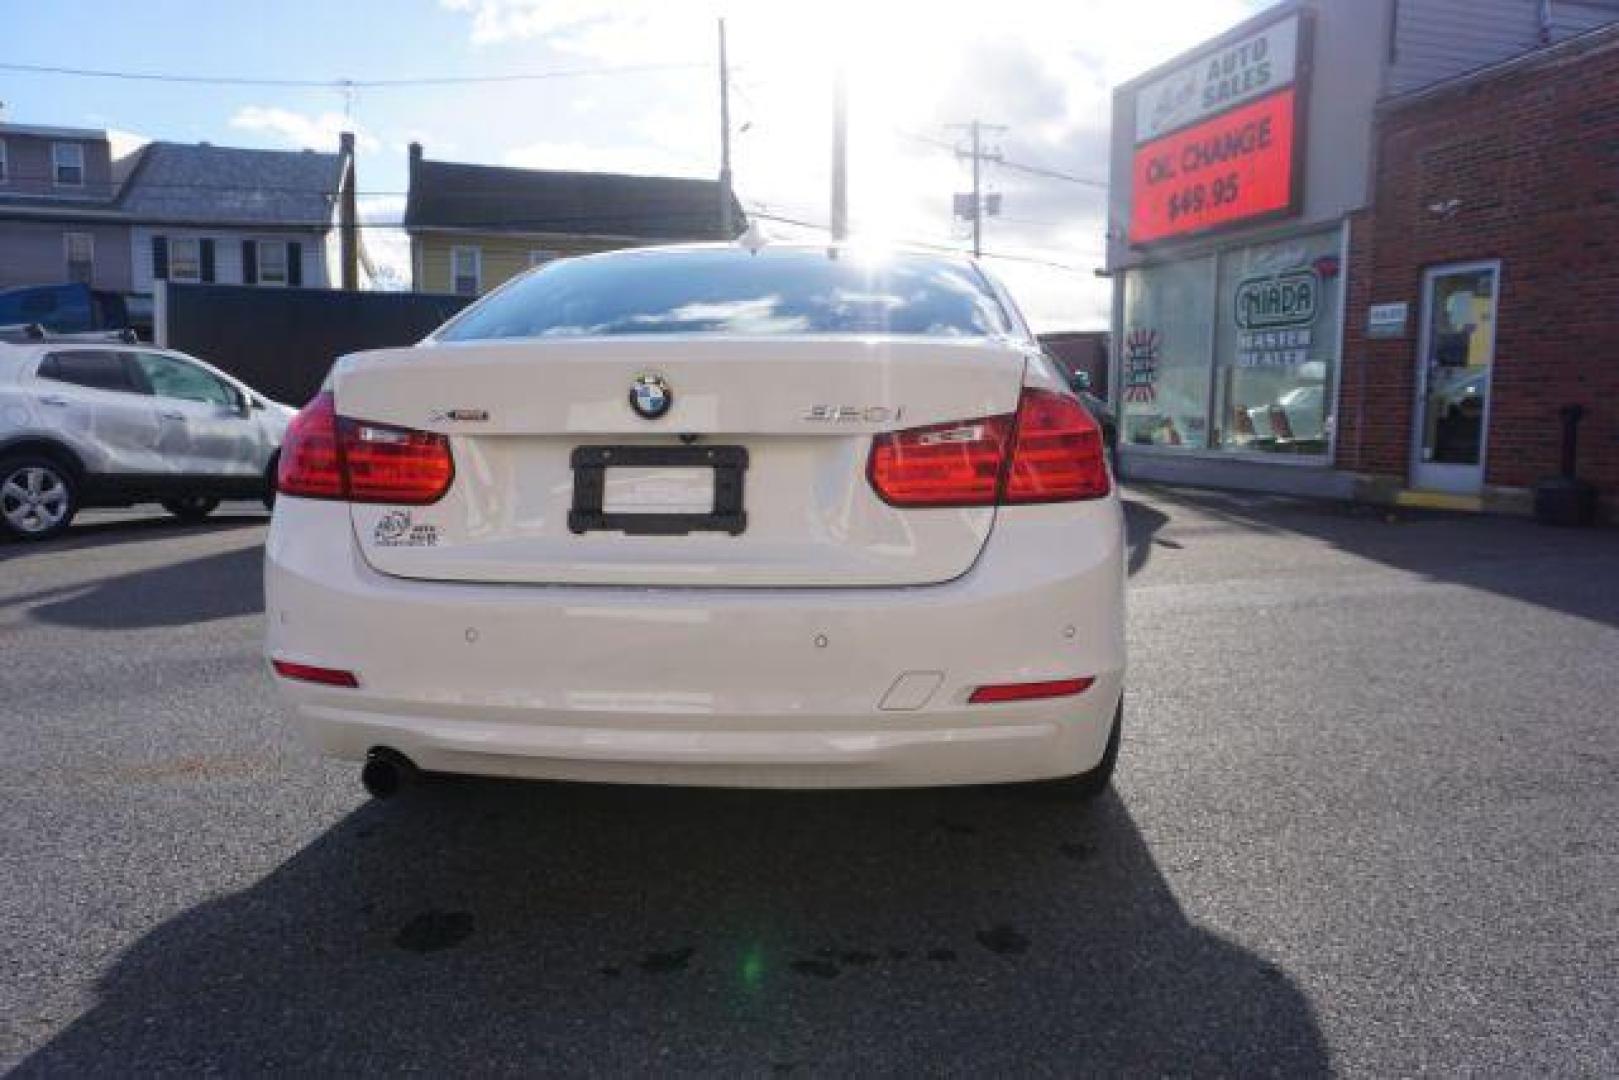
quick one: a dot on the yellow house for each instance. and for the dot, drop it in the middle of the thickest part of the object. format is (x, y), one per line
(473, 227)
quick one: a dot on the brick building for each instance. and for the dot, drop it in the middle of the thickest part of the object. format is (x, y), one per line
(1363, 248)
(1513, 171)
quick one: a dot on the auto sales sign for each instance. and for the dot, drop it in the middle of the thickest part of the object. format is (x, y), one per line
(1215, 139)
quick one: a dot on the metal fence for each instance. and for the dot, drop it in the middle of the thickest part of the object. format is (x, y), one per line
(282, 342)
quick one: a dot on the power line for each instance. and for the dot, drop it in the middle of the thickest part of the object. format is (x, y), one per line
(782, 219)
(1053, 174)
(1018, 166)
(928, 140)
(341, 84)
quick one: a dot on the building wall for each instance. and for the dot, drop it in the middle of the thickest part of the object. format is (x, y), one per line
(1520, 166)
(34, 253)
(504, 256)
(1571, 17)
(227, 253)
(1440, 39)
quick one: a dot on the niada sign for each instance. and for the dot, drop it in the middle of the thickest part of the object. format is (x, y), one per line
(1275, 316)
(1285, 299)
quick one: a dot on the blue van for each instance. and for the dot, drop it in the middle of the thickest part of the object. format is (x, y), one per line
(64, 309)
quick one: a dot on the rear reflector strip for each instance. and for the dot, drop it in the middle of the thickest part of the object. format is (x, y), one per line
(1029, 691)
(310, 673)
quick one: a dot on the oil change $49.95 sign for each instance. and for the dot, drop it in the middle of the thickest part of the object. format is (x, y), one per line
(1215, 138)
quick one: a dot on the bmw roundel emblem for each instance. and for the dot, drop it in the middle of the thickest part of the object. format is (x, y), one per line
(650, 396)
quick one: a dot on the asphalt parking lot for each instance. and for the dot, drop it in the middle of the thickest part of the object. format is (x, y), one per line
(1367, 821)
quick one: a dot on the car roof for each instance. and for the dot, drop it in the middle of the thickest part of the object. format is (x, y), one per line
(828, 249)
(17, 353)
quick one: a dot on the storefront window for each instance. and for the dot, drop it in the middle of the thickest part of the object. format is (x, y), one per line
(1276, 345)
(1165, 354)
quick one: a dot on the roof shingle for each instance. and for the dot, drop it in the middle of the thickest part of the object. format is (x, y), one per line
(178, 182)
(450, 195)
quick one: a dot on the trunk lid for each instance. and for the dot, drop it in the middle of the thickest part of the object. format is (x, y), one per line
(522, 415)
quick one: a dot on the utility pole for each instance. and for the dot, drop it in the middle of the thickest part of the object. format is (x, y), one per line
(975, 204)
(978, 199)
(840, 156)
(727, 224)
(348, 216)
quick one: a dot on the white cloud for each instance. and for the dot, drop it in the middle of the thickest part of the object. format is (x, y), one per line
(124, 143)
(578, 26)
(306, 131)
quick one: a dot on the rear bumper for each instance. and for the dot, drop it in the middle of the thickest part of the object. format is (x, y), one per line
(533, 749)
(725, 687)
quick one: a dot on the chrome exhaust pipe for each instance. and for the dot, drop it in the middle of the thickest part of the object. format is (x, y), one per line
(387, 772)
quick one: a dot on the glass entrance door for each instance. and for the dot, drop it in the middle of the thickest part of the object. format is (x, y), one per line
(1453, 377)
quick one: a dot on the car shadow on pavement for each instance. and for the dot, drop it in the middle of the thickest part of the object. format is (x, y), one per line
(493, 927)
(219, 586)
(1141, 525)
(1567, 570)
(82, 535)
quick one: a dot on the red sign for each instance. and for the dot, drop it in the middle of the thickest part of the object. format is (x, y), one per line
(1234, 167)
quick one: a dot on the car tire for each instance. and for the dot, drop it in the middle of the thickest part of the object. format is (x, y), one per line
(1087, 786)
(38, 497)
(1110, 436)
(191, 508)
(270, 472)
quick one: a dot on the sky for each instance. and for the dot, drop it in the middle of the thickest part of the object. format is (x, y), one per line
(632, 86)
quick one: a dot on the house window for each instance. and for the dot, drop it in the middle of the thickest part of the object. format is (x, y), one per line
(272, 262)
(466, 270)
(67, 162)
(540, 258)
(81, 256)
(185, 259)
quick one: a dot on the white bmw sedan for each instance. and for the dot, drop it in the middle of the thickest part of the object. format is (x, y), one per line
(793, 517)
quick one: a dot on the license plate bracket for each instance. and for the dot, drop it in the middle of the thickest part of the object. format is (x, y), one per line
(590, 465)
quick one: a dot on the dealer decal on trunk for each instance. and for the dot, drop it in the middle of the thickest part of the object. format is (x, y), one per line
(396, 529)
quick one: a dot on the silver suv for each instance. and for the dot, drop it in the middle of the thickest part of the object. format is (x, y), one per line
(98, 420)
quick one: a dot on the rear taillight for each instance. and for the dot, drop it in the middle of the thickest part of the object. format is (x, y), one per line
(327, 456)
(309, 464)
(393, 465)
(1058, 456)
(958, 464)
(1049, 451)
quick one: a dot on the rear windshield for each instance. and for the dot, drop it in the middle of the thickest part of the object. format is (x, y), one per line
(729, 291)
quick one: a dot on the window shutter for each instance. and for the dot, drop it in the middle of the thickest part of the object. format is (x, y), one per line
(250, 262)
(207, 247)
(160, 258)
(295, 263)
